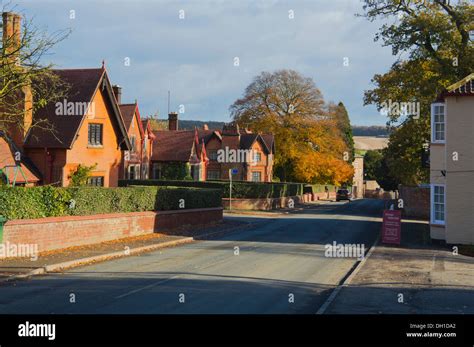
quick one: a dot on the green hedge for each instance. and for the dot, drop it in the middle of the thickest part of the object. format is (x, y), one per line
(46, 201)
(240, 189)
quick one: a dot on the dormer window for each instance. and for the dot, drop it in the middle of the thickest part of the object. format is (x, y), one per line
(438, 123)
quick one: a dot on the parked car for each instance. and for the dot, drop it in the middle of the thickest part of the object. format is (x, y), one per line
(343, 194)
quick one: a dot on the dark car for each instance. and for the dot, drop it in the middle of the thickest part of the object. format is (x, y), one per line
(343, 194)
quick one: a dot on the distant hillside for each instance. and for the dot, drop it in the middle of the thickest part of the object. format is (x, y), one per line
(162, 124)
(190, 124)
(371, 130)
(357, 130)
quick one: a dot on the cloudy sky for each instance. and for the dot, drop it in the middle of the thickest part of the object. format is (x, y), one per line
(194, 56)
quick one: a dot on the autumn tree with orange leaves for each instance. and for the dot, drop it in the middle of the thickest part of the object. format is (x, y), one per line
(309, 144)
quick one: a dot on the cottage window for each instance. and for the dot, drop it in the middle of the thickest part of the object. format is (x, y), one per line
(213, 175)
(438, 204)
(257, 157)
(96, 181)
(134, 172)
(156, 171)
(438, 122)
(95, 134)
(133, 141)
(256, 176)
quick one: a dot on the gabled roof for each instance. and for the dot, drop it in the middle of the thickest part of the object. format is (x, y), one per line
(83, 85)
(176, 145)
(247, 140)
(146, 125)
(8, 163)
(464, 87)
(270, 141)
(129, 111)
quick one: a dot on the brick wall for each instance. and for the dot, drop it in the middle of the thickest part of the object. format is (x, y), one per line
(264, 204)
(416, 201)
(62, 232)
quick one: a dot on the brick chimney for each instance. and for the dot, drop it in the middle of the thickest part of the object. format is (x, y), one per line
(118, 93)
(172, 121)
(12, 45)
(12, 34)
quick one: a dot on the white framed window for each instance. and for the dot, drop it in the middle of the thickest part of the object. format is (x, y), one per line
(256, 176)
(438, 204)
(438, 122)
(133, 141)
(134, 172)
(257, 158)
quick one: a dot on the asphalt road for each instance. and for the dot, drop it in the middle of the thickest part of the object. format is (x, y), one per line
(277, 266)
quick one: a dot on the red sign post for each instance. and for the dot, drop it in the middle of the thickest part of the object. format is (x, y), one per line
(392, 226)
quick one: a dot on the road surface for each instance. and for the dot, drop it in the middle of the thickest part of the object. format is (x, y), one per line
(276, 266)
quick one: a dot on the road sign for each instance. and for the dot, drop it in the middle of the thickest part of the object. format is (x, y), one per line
(392, 226)
(235, 171)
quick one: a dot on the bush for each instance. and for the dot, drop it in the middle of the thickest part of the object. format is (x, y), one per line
(46, 201)
(240, 189)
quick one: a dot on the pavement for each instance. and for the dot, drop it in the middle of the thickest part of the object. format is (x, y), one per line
(417, 277)
(276, 265)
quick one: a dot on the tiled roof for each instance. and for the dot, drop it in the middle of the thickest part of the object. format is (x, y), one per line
(127, 111)
(147, 128)
(270, 141)
(464, 87)
(176, 145)
(247, 140)
(7, 161)
(82, 83)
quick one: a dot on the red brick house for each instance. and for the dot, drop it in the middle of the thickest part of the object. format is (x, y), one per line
(135, 163)
(88, 130)
(179, 154)
(210, 154)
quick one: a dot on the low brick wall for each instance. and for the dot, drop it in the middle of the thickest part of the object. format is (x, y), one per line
(416, 201)
(62, 232)
(264, 204)
(323, 196)
(380, 194)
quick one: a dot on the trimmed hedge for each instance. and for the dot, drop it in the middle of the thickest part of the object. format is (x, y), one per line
(47, 201)
(240, 189)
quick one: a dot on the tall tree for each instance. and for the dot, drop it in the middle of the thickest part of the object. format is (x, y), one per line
(339, 112)
(431, 41)
(291, 107)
